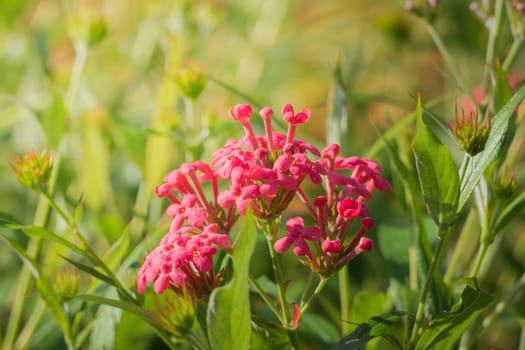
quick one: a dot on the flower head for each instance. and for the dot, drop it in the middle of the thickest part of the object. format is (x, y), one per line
(33, 169)
(471, 133)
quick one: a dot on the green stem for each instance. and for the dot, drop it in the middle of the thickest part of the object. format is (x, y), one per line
(344, 299)
(449, 61)
(317, 291)
(28, 331)
(280, 284)
(33, 249)
(464, 242)
(491, 44)
(265, 297)
(517, 45)
(308, 288)
(479, 260)
(189, 147)
(504, 303)
(424, 295)
(286, 316)
(464, 167)
(81, 52)
(94, 257)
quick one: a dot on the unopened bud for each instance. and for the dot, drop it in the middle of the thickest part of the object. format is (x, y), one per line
(33, 169)
(504, 184)
(471, 133)
(175, 312)
(191, 81)
(67, 282)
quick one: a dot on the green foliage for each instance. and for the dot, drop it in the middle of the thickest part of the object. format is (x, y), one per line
(447, 327)
(481, 161)
(376, 326)
(437, 173)
(103, 88)
(229, 307)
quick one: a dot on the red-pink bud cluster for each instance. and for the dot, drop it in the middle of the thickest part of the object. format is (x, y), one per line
(262, 173)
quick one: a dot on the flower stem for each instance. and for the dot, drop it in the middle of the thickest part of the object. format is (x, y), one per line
(448, 60)
(465, 240)
(317, 291)
(280, 284)
(265, 297)
(189, 121)
(479, 260)
(416, 330)
(493, 35)
(344, 299)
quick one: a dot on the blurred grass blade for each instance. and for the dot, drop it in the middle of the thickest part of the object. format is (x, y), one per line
(437, 173)
(447, 327)
(45, 289)
(493, 148)
(509, 213)
(228, 316)
(118, 250)
(337, 121)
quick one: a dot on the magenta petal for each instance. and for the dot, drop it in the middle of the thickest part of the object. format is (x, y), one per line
(283, 244)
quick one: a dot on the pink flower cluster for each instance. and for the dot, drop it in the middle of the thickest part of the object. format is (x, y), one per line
(263, 173)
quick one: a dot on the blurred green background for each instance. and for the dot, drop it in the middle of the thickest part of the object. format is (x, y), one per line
(94, 80)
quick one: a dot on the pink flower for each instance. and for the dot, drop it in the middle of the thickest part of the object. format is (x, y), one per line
(240, 193)
(241, 112)
(297, 236)
(183, 261)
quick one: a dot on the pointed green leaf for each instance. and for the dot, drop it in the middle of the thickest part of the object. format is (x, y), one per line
(337, 121)
(374, 327)
(93, 272)
(144, 314)
(228, 315)
(447, 327)
(40, 232)
(480, 162)
(437, 173)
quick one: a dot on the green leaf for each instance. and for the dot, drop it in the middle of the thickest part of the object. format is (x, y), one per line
(228, 316)
(374, 327)
(437, 173)
(40, 232)
(93, 272)
(52, 300)
(267, 336)
(493, 148)
(319, 328)
(510, 211)
(447, 327)
(365, 305)
(144, 314)
(104, 328)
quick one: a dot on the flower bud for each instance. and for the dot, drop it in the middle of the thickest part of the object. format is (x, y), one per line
(67, 282)
(176, 313)
(191, 81)
(504, 184)
(33, 169)
(471, 133)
